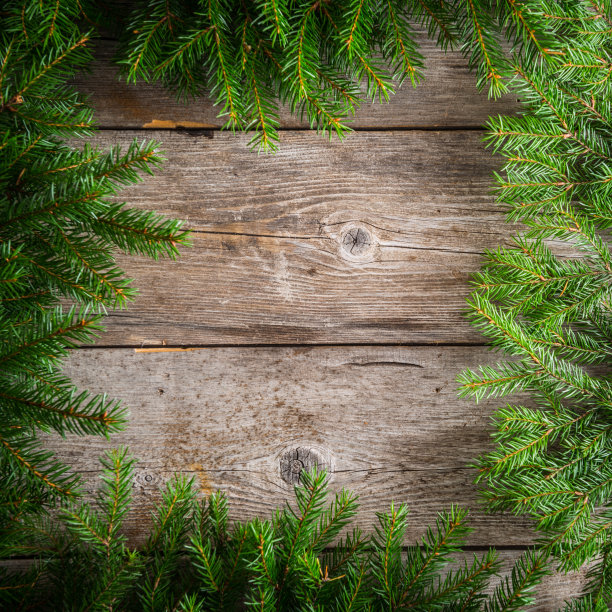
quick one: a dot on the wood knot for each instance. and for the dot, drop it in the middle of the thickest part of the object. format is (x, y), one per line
(357, 243)
(295, 460)
(146, 480)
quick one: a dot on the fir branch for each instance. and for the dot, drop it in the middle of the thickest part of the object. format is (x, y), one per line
(52, 246)
(251, 56)
(552, 313)
(224, 570)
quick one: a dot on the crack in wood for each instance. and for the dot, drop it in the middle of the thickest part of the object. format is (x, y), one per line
(398, 364)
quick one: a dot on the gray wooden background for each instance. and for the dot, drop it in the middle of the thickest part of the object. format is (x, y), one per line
(318, 315)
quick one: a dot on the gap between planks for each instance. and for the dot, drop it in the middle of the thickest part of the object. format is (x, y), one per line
(388, 128)
(200, 347)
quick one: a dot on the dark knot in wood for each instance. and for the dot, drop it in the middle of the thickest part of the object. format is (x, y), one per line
(146, 480)
(295, 460)
(357, 241)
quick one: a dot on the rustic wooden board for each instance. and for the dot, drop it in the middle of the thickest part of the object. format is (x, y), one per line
(386, 420)
(367, 241)
(447, 97)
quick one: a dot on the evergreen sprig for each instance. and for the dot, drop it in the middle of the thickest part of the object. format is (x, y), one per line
(305, 558)
(60, 225)
(546, 300)
(315, 56)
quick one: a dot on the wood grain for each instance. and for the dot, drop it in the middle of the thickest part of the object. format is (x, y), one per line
(386, 420)
(447, 97)
(369, 241)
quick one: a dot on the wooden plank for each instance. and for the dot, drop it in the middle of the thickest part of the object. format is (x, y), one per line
(386, 420)
(447, 97)
(554, 590)
(367, 241)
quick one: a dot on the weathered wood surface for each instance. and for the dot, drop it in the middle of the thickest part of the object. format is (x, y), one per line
(447, 97)
(386, 420)
(368, 241)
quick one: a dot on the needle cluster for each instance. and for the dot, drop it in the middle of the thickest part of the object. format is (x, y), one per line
(305, 558)
(318, 58)
(60, 226)
(545, 301)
